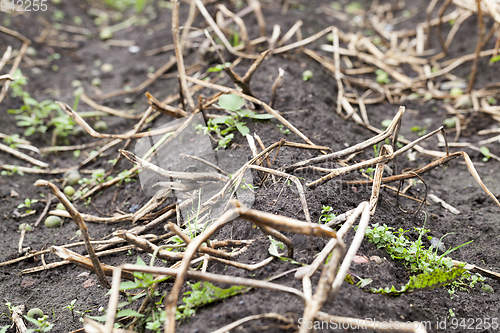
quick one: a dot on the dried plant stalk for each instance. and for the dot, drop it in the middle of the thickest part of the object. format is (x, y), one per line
(77, 218)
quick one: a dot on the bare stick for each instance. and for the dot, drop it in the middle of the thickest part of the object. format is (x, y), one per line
(238, 21)
(286, 37)
(23, 156)
(196, 176)
(303, 42)
(17, 319)
(13, 69)
(77, 218)
(159, 72)
(253, 100)
(283, 223)
(220, 34)
(433, 165)
(297, 183)
(45, 210)
(242, 321)
(178, 55)
(66, 108)
(5, 57)
(15, 34)
(165, 108)
(87, 100)
(473, 70)
(275, 86)
(360, 146)
(353, 249)
(255, 4)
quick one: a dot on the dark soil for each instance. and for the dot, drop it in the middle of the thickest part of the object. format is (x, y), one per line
(311, 107)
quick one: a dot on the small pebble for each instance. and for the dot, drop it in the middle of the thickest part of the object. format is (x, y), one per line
(377, 259)
(134, 49)
(435, 242)
(25, 226)
(106, 68)
(133, 208)
(53, 221)
(96, 82)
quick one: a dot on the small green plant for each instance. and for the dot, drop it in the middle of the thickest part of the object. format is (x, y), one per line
(219, 68)
(354, 8)
(450, 122)
(368, 171)
(419, 259)
(13, 140)
(153, 317)
(204, 293)
(71, 307)
(235, 39)
(27, 204)
(125, 176)
(123, 5)
(420, 130)
(307, 75)
(282, 129)
(96, 178)
(42, 325)
(38, 116)
(233, 104)
(382, 77)
(326, 215)
(486, 153)
(12, 172)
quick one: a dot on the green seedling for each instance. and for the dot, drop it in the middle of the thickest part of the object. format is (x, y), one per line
(126, 176)
(456, 91)
(450, 122)
(307, 75)
(153, 317)
(96, 178)
(71, 307)
(420, 130)
(204, 293)
(282, 129)
(12, 172)
(274, 249)
(123, 5)
(354, 8)
(368, 171)
(235, 38)
(219, 68)
(27, 204)
(418, 259)
(38, 116)
(42, 325)
(13, 140)
(495, 59)
(234, 122)
(386, 122)
(326, 215)
(382, 77)
(486, 153)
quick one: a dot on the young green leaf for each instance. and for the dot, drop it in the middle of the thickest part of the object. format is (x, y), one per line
(231, 102)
